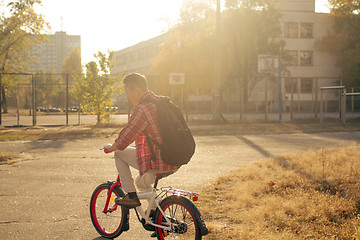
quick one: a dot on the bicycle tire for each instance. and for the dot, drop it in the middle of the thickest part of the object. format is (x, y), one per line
(183, 214)
(112, 224)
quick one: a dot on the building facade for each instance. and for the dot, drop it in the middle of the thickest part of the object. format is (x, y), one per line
(305, 69)
(308, 66)
(49, 55)
(140, 57)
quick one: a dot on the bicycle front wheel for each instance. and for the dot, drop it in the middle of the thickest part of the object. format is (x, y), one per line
(182, 214)
(110, 222)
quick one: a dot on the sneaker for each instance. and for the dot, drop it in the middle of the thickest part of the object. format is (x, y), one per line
(128, 202)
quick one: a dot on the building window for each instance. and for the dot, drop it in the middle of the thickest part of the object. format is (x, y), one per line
(306, 85)
(306, 58)
(291, 57)
(306, 30)
(291, 30)
(288, 83)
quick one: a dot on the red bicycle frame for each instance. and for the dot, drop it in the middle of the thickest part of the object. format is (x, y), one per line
(117, 183)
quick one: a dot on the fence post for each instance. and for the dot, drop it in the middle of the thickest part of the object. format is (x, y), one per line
(321, 106)
(17, 105)
(241, 103)
(352, 100)
(1, 99)
(316, 97)
(343, 107)
(292, 99)
(266, 99)
(33, 76)
(67, 99)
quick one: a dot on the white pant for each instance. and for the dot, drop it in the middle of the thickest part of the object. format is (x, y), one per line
(126, 158)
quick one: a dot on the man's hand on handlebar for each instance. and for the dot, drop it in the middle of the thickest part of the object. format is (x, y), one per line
(108, 148)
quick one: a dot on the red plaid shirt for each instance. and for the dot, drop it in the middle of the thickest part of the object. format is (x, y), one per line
(143, 121)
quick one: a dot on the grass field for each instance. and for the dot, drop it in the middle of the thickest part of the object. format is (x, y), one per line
(315, 195)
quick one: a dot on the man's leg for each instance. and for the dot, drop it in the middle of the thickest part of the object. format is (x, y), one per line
(145, 181)
(123, 160)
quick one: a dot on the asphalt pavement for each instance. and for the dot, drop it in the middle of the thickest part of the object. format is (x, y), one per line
(46, 194)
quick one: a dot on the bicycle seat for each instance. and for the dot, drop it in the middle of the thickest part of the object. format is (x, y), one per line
(162, 175)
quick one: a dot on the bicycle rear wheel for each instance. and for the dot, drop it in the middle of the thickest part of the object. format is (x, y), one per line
(112, 222)
(182, 214)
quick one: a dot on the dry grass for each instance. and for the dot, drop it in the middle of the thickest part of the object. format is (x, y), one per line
(315, 195)
(6, 158)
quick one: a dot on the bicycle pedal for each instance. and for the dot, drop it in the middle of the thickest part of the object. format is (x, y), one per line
(147, 226)
(153, 235)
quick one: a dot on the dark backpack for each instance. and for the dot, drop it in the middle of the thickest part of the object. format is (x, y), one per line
(178, 144)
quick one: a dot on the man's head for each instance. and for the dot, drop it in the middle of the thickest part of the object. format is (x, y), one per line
(135, 86)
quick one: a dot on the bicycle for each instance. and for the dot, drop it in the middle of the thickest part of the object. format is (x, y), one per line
(175, 216)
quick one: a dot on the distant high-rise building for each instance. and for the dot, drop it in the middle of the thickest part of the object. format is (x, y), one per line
(49, 55)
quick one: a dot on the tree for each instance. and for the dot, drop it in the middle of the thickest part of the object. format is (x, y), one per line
(248, 28)
(72, 63)
(95, 89)
(344, 40)
(189, 47)
(16, 28)
(251, 28)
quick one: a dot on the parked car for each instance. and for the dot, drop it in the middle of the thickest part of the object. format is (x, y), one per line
(112, 109)
(73, 109)
(54, 109)
(45, 109)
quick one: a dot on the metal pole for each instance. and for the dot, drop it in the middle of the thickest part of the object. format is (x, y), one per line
(0, 99)
(343, 107)
(280, 92)
(216, 96)
(266, 99)
(67, 100)
(352, 100)
(17, 105)
(316, 97)
(34, 98)
(321, 106)
(292, 99)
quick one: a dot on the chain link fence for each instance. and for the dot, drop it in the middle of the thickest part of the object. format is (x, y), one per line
(48, 99)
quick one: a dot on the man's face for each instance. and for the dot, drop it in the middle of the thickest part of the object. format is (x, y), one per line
(132, 94)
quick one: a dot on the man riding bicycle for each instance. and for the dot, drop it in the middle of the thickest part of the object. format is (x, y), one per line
(144, 157)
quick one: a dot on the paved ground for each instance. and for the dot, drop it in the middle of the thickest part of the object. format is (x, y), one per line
(47, 194)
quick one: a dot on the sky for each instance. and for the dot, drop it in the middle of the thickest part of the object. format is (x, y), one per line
(115, 24)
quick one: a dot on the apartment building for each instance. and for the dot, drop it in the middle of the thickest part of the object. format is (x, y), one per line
(308, 67)
(50, 54)
(140, 57)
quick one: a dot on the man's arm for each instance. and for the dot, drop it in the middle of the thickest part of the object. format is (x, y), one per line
(134, 128)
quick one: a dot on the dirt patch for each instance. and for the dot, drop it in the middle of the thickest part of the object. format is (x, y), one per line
(6, 158)
(198, 128)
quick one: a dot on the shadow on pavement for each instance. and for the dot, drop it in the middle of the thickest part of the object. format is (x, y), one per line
(262, 151)
(48, 144)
